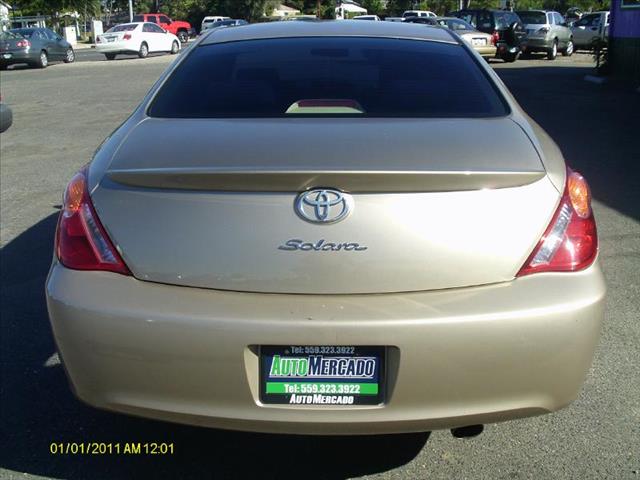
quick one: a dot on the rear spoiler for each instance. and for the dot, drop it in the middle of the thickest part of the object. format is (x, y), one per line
(295, 181)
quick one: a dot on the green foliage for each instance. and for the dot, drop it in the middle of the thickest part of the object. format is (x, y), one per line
(396, 7)
(374, 7)
(53, 8)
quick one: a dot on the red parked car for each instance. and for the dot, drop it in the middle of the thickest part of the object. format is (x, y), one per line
(180, 29)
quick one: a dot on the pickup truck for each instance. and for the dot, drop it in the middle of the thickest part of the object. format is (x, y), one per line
(180, 29)
(591, 29)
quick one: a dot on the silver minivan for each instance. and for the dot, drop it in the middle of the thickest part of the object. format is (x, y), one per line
(547, 32)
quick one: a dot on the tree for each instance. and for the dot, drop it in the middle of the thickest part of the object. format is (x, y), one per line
(396, 7)
(248, 9)
(374, 7)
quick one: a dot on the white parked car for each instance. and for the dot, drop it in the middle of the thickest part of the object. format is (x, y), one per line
(139, 38)
(210, 19)
(418, 13)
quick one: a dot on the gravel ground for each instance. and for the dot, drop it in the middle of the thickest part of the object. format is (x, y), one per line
(61, 115)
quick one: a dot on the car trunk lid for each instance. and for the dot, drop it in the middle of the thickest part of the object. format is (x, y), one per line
(210, 203)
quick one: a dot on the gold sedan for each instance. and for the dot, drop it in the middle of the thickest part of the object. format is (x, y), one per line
(481, 42)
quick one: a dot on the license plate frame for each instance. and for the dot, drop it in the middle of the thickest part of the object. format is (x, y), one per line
(323, 386)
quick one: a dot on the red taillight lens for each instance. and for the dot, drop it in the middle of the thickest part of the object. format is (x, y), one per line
(127, 36)
(571, 240)
(23, 43)
(495, 36)
(81, 241)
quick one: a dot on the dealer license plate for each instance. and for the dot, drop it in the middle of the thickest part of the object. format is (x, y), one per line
(322, 375)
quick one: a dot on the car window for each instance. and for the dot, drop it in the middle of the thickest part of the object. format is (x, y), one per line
(164, 19)
(147, 27)
(501, 20)
(588, 21)
(512, 18)
(125, 27)
(383, 77)
(138, 18)
(532, 18)
(51, 35)
(24, 32)
(486, 21)
(152, 18)
(6, 35)
(559, 19)
(39, 34)
(156, 29)
(457, 25)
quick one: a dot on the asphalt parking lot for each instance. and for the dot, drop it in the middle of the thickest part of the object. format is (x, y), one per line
(62, 113)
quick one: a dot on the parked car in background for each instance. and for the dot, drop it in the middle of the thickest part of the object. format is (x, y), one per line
(591, 29)
(421, 20)
(572, 14)
(339, 233)
(234, 22)
(139, 38)
(547, 31)
(34, 46)
(179, 28)
(481, 42)
(211, 19)
(394, 19)
(6, 116)
(418, 13)
(374, 18)
(509, 34)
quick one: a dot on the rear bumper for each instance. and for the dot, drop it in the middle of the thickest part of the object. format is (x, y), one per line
(534, 44)
(117, 47)
(487, 51)
(465, 356)
(19, 56)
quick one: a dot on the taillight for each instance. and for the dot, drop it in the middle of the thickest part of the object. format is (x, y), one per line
(495, 36)
(23, 43)
(81, 241)
(126, 36)
(571, 240)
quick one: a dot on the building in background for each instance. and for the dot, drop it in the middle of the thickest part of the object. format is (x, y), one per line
(284, 11)
(624, 39)
(5, 23)
(346, 9)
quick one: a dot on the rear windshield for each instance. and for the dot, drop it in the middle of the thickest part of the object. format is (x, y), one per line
(127, 27)
(455, 24)
(328, 76)
(6, 35)
(538, 18)
(26, 33)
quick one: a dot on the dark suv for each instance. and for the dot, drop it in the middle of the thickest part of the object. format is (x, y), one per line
(506, 28)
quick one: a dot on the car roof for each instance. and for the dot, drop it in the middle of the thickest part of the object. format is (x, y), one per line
(492, 10)
(335, 28)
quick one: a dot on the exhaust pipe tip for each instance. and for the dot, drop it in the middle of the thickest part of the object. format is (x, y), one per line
(469, 431)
